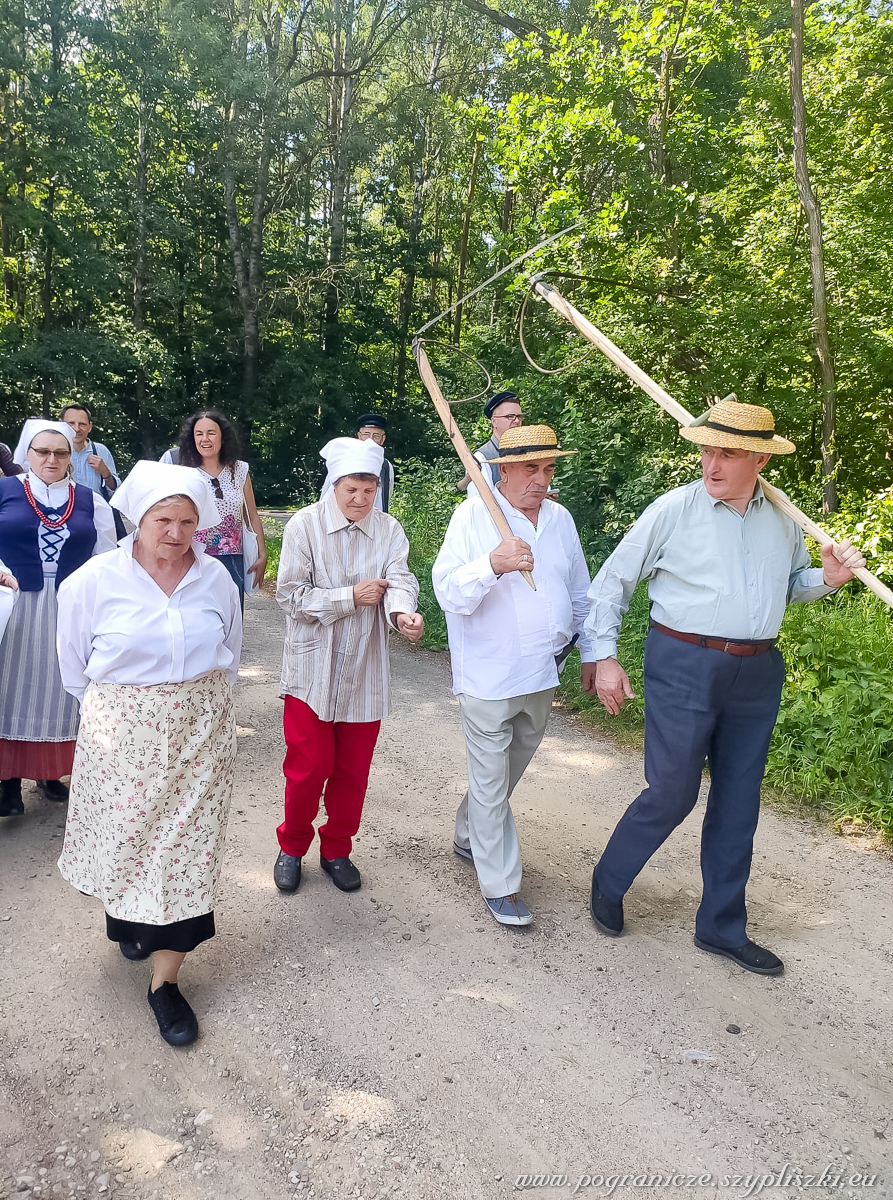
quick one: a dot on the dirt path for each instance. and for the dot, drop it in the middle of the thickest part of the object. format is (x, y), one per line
(397, 1043)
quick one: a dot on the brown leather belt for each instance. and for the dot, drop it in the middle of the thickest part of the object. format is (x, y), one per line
(742, 649)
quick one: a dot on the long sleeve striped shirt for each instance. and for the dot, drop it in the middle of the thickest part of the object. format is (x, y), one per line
(336, 654)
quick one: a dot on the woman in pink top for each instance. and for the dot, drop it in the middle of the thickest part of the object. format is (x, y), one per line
(209, 441)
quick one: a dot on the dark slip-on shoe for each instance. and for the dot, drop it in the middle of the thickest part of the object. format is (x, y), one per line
(53, 789)
(343, 873)
(11, 803)
(607, 915)
(287, 872)
(750, 956)
(133, 951)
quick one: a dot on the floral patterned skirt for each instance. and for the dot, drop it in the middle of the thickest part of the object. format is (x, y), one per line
(150, 794)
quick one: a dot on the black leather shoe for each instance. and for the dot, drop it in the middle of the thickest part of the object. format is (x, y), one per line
(11, 803)
(53, 789)
(176, 1020)
(133, 951)
(750, 956)
(607, 914)
(344, 874)
(287, 872)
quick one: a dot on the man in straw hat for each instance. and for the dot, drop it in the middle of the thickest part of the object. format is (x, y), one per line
(508, 643)
(722, 564)
(343, 583)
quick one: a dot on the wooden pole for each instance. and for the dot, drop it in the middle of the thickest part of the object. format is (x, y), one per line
(471, 464)
(553, 297)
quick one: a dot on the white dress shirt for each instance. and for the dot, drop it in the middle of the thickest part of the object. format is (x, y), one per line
(503, 635)
(116, 625)
(710, 569)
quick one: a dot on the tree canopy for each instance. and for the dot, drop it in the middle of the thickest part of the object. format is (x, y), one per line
(254, 205)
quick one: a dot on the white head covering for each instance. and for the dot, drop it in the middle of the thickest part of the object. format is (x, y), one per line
(32, 427)
(350, 456)
(151, 482)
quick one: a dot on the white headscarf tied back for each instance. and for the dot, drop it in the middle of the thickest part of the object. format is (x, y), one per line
(349, 456)
(32, 427)
(151, 482)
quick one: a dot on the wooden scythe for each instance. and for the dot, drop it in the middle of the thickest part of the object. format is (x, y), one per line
(553, 297)
(471, 464)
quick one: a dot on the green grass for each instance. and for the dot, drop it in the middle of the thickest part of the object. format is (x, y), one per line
(274, 550)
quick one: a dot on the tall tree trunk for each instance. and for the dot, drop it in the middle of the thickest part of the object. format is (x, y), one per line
(46, 298)
(463, 245)
(420, 171)
(813, 211)
(341, 103)
(139, 268)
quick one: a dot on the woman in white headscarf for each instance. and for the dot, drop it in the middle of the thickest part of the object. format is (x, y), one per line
(149, 643)
(49, 526)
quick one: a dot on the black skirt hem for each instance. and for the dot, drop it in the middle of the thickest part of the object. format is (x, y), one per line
(178, 936)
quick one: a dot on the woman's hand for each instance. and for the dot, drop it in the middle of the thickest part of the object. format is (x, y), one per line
(411, 625)
(368, 592)
(259, 568)
(10, 581)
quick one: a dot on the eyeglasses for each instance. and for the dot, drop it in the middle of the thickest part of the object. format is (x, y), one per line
(512, 418)
(50, 453)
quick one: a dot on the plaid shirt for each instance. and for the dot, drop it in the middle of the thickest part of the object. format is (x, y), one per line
(336, 655)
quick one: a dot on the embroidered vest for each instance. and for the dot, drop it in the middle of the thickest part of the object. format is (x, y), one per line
(19, 527)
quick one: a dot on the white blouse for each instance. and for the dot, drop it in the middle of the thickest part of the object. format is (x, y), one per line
(116, 625)
(54, 496)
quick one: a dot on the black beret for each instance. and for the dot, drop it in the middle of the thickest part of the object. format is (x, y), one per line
(495, 401)
(372, 419)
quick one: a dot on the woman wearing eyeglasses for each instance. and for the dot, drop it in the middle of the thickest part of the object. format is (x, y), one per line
(49, 526)
(209, 441)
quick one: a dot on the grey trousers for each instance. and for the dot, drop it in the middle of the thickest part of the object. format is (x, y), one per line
(501, 737)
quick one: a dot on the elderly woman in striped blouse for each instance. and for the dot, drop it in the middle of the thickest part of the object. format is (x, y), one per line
(343, 582)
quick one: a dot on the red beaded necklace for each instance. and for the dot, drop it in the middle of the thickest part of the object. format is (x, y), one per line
(42, 517)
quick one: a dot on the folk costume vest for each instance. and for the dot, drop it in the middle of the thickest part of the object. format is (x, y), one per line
(20, 526)
(385, 480)
(490, 451)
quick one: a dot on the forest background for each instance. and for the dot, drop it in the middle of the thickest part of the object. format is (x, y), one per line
(253, 205)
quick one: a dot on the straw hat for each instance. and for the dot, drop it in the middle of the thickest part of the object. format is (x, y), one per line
(528, 443)
(737, 427)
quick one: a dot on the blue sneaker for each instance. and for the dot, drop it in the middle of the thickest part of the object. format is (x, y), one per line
(509, 910)
(463, 852)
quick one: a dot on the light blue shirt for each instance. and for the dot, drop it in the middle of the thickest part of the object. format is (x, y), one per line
(83, 473)
(710, 569)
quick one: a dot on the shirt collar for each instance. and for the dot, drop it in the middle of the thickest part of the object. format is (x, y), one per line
(756, 501)
(334, 519)
(197, 568)
(46, 493)
(543, 517)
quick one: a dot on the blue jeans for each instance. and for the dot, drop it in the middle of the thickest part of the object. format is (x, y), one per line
(700, 704)
(235, 564)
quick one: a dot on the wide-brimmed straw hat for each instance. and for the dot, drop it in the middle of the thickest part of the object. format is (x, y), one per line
(737, 427)
(528, 443)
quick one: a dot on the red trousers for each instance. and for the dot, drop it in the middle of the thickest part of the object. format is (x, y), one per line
(336, 755)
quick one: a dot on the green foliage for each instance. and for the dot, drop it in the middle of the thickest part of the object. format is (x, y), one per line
(834, 737)
(424, 499)
(274, 553)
